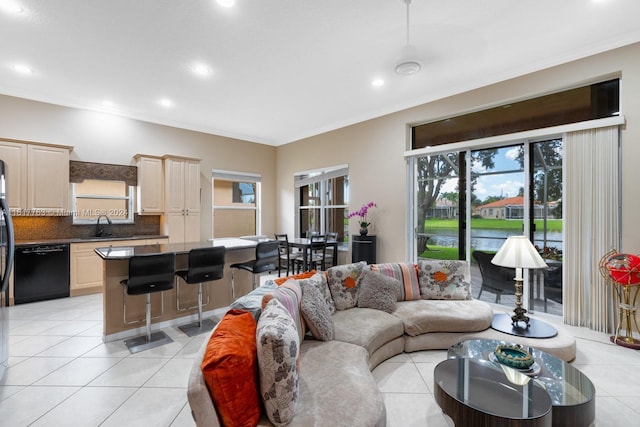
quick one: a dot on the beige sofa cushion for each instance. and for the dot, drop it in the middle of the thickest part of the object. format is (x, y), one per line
(424, 316)
(366, 327)
(336, 387)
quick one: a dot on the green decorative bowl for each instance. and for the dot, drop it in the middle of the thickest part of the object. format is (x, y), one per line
(513, 356)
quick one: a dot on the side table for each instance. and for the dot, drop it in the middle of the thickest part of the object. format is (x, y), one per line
(363, 248)
(537, 328)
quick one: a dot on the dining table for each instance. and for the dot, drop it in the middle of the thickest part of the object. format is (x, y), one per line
(304, 244)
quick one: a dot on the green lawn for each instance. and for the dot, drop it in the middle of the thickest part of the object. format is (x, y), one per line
(440, 252)
(491, 224)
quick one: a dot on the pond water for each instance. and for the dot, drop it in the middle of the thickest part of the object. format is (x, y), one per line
(490, 240)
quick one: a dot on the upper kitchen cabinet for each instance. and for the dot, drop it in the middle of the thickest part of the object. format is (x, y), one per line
(182, 199)
(38, 177)
(150, 200)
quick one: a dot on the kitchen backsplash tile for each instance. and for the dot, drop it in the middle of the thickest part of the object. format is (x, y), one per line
(61, 227)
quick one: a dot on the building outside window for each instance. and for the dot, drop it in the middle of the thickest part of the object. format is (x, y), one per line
(236, 204)
(322, 199)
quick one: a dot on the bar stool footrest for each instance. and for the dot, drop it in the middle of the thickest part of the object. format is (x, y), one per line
(140, 343)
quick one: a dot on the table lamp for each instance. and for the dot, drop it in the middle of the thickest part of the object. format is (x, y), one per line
(518, 252)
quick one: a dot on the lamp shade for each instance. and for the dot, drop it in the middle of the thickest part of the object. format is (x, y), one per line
(518, 252)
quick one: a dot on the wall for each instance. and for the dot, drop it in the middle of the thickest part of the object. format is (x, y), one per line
(374, 149)
(104, 138)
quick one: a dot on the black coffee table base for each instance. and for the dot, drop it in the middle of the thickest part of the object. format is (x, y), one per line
(473, 393)
(537, 328)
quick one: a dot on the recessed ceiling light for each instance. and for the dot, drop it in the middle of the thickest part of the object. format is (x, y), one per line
(166, 102)
(22, 69)
(200, 69)
(377, 82)
(226, 3)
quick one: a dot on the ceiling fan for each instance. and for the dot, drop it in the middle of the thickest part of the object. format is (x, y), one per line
(409, 62)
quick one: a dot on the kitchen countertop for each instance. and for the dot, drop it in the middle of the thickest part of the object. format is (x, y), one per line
(85, 240)
(126, 252)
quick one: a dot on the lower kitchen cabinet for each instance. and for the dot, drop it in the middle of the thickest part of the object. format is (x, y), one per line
(86, 266)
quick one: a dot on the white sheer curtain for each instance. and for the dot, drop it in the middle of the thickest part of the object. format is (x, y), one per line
(591, 223)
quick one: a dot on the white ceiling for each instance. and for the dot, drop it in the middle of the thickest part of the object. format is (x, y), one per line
(283, 70)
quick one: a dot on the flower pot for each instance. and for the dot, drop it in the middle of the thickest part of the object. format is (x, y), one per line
(364, 231)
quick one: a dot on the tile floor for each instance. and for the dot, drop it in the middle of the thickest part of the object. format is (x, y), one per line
(62, 374)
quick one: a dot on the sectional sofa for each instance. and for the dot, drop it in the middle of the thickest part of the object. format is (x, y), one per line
(303, 353)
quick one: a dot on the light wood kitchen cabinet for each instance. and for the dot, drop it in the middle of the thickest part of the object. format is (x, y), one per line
(86, 268)
(15, 157)
(150, 197)
(181, 221)
(38, 177)
(86, 273)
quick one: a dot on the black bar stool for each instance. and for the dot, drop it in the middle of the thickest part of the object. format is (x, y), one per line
(266, 260)
(148, 274)
(205, 265)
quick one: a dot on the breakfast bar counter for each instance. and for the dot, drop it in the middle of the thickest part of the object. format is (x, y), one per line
(164, 306)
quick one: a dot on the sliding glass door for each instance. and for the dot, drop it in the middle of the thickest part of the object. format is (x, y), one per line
(440, 206)
(472, 200)
(546, 218)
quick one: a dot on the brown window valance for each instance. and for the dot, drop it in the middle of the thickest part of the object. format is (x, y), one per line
(591, 102)
(79, 171)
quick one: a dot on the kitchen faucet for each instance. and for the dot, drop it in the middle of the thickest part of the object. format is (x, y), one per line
(100, 230)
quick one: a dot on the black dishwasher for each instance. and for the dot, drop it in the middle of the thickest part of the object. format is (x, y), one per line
(41, 272)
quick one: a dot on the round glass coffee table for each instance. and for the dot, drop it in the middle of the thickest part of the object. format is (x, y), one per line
(572, 394)
(475, 392)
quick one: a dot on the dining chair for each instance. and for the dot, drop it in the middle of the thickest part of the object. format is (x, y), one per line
(317, 252)
(331, 250)
(287, 257)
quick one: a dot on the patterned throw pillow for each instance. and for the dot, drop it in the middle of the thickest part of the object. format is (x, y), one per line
(253, 300)
(289, 294)
(379, 292)
(319, 280)
(278, 349)
(444, 279)
(316, 312)
(343, 283)
(406, 273)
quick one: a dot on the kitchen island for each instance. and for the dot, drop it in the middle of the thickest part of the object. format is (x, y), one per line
(116, 268)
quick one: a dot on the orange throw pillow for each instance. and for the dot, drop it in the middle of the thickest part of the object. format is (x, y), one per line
(230, 369)
(304, 275)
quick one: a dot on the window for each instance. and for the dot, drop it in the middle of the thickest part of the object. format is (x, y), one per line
(95, 197)
(322, 200)
(236, 204)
